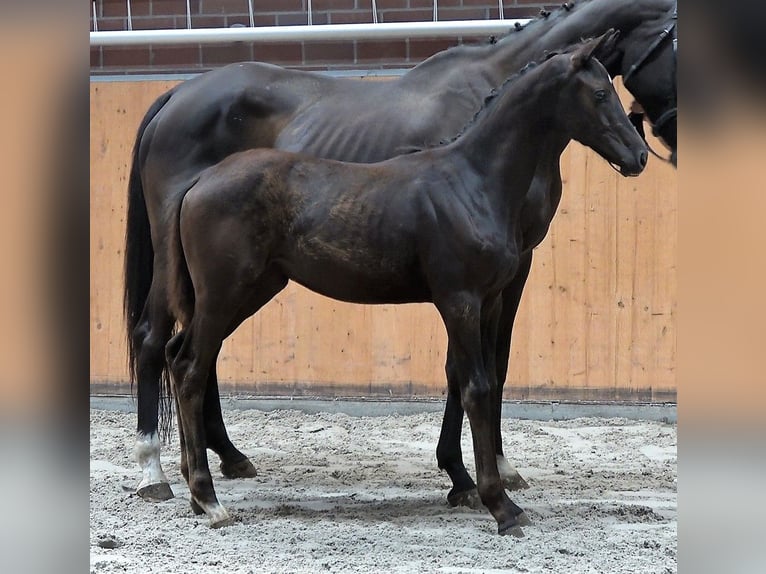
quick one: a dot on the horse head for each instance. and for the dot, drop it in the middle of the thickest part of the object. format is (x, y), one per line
(592, 110)
(648, 65)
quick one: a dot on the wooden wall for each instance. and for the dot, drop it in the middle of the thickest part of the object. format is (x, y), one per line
(597, 320)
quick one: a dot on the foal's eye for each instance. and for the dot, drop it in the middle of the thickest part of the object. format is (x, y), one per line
(600, 95)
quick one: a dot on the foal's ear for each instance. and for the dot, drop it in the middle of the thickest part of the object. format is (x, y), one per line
(599, 48)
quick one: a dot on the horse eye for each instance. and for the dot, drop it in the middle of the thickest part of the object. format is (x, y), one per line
(600, 95)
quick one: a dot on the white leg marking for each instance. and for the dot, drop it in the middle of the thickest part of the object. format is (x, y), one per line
(507, 472)
(218, 515)
(147, 453)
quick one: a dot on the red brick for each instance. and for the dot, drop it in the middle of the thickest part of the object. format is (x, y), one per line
(182, 56)
(381, 51)
(430, 3)
(391, 4)
(173, 7)
(111, 9)
(226, 6)
(300, 18)
(95, 57)
(125, 57)
(463, 13)
(419, 50)
(154, 23)
(406, 16)
(281, 54)
(220, 55)
(278, 5)
(110, 24)
(355, 17)
(205, 21)
(328, 52)
(333, 5)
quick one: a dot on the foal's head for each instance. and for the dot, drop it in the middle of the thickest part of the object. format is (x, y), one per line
(591, 109)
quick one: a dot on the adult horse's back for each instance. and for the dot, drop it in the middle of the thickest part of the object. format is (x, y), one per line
(249, 105)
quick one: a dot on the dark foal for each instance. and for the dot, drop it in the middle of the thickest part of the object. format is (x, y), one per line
(443, 225)
(248, 105)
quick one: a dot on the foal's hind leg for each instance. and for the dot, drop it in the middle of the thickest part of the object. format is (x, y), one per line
(449, 454)
(150, 336)
(234, 464)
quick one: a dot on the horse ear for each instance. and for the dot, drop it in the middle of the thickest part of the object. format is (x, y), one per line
(599, 48)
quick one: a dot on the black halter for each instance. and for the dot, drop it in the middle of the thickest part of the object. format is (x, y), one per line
(672, 112)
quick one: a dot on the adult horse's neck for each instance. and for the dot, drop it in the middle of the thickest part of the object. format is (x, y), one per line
(566, 26)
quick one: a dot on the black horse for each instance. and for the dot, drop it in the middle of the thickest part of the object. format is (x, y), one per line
(444, 225)
(248, 105)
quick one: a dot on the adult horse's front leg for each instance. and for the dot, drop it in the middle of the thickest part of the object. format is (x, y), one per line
(465, 325)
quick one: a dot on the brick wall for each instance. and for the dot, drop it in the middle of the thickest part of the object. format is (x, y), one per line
(356, 55)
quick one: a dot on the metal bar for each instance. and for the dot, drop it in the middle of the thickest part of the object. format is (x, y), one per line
(250, 10)
(436, 11)
(500, 9)
(374, 12)
(310, 19)
(95, 19)
(384, 31)
(188, 15)
(130, 18)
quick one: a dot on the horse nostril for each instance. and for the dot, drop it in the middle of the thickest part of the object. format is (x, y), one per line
(643, 158)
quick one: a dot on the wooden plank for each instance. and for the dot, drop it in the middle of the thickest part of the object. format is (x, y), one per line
(597, 320)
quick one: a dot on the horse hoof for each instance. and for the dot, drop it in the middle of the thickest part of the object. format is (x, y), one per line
(511, 528)
(157, 492)
(469, 498)
(221, 522)
(241, 469)
(220, 518)
(515, 482)
(196, 508)
(523, 520)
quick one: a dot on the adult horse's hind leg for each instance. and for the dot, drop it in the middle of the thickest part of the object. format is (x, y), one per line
(150, 337)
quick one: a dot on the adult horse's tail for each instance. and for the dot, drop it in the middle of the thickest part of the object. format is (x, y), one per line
(139, 252)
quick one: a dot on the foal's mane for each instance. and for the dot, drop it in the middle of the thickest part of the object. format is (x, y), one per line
(490, 98)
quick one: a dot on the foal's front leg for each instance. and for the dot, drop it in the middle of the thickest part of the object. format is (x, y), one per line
(448, 452)
(463, 318)
(511, 298)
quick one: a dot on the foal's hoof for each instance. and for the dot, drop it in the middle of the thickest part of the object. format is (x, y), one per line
(242, 469)
(469, 498)
(515, 482)
(523, 520)
(196, 508)
(513, 529)
(157, 492)
(219, 517)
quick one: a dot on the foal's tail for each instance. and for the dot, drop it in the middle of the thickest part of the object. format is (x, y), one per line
(139, 252)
